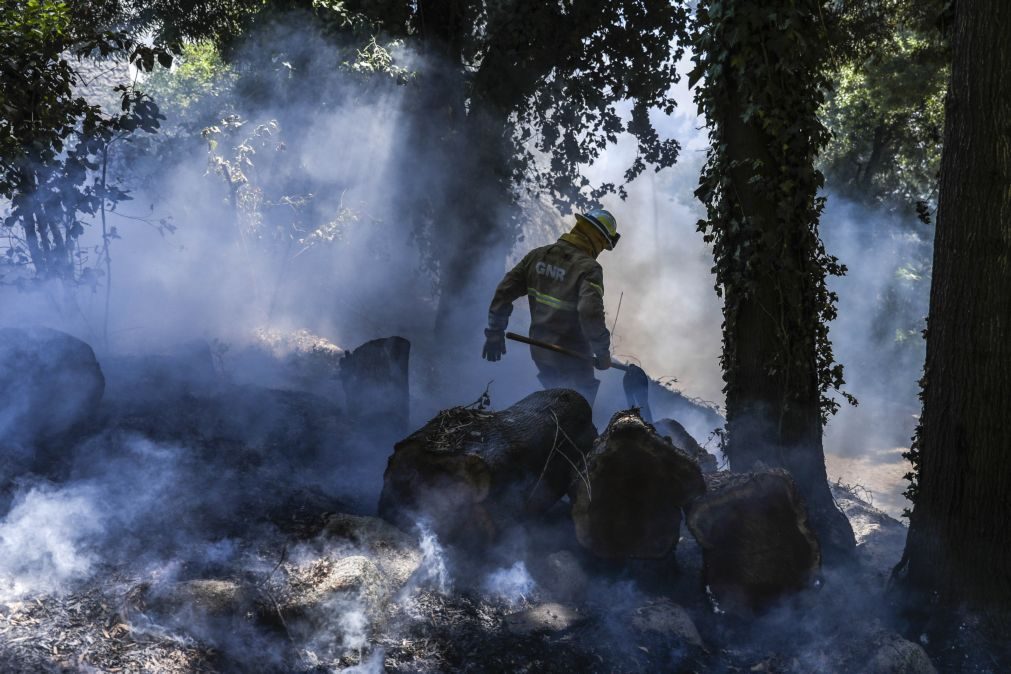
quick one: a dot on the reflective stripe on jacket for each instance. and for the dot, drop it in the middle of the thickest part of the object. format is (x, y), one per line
(565, 287)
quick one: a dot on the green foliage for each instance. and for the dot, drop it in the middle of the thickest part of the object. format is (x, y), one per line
(761, 80)
(886, 114)
(249, 159)
(562, 74)
(53, 142)
(199, 73)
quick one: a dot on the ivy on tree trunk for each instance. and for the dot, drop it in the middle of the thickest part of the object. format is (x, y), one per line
(760, 68)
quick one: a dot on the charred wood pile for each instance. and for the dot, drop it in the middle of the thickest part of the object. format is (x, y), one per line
(470, 472)
(258, 557)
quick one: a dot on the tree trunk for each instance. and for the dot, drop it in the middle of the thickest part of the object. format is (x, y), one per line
(772, 315)
(959, 543)
(756, 543)
(469, 472)
(476, 226)
(627, 502)
(375, 379)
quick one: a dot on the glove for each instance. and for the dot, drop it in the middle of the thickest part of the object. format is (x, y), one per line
(602, 361)
(494, 345)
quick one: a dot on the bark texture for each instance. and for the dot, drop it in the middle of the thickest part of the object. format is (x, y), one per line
(774, 401)
(756, 543)
(627, 503)
(469, 472)
(959, 543)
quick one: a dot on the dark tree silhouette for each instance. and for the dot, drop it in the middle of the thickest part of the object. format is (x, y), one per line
(959, 544)
(762, 67)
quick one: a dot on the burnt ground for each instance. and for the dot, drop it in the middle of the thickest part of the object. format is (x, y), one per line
(198, 525)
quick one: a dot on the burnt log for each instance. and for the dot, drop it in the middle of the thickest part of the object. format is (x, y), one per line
(375, 381)
(628, 501)
(469, 472)
(683, 440)
(756, 543)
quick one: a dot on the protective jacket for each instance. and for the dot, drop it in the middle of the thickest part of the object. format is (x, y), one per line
(565, 286)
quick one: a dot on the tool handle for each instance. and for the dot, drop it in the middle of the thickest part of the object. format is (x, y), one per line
(560, 349)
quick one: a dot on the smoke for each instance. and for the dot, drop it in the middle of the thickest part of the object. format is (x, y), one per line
(170, 508)
(512, 584)
(434, 569)
(48, 540)
(670, 317)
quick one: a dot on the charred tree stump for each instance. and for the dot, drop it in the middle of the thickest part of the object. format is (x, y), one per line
(468, 471)
(628, 503)
(755, 539)
(375, 383)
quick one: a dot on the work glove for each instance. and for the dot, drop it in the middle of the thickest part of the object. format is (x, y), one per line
(494, 345)
(602, 361)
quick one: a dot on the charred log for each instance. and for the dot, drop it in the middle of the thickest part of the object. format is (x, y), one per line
(628, 504)
(469, 471)
(755, 539)
(683, 440)
(375, 383)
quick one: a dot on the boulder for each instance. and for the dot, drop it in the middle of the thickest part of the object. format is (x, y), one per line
(473, 473)
(50, 382)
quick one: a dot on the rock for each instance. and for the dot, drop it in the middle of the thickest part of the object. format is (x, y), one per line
(50, 382)
(563, 576)
(395, 554)
(664, 618)
(895, 655)
(548, 617)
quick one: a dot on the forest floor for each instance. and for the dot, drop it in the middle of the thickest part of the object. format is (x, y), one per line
(200, 525)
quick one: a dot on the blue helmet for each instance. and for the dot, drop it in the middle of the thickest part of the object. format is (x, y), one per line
(604, 223)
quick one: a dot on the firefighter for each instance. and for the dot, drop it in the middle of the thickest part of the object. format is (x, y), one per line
(565, 286)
